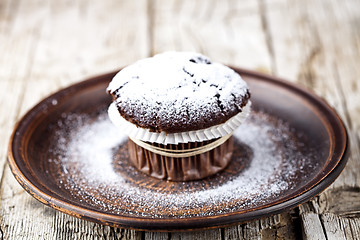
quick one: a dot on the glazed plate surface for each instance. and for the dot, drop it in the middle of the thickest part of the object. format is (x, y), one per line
(67, 154)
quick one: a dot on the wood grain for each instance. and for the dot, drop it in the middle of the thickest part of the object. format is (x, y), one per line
(321, 54)
(46, 45)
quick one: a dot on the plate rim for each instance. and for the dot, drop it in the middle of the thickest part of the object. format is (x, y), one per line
(179, 224)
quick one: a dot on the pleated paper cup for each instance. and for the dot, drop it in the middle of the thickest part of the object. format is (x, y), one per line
(181, 168)
(215, 144)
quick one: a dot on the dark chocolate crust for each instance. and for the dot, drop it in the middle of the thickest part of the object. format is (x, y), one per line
(178, 92)
(218, 116)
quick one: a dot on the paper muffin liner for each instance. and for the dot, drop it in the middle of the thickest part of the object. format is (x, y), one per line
(181, 168)
(210, 133)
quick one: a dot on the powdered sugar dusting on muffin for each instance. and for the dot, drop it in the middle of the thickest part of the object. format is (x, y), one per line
(177, 90)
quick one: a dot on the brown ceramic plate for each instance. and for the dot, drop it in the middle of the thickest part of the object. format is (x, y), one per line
(63, 153)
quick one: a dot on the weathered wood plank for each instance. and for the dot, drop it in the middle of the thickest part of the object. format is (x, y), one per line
(47, 46)
(283, 226)
(209, 234)
(311, 223)
(233, 233)
(156, 235)
(13, 71)
(333, 227)
(312, 226)
(251, 230)
(228, 31)
(318, 47)
(355, 227)
(329, 202)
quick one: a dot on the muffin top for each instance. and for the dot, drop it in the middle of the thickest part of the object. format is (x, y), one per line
(177, 92)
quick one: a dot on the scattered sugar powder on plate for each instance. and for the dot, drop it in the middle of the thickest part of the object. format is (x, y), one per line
(88, 151)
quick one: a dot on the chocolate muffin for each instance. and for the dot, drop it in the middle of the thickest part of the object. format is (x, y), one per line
(179, 110)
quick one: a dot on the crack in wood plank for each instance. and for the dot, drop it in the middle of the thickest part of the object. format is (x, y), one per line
(342, 96)
(10, 16)
(329, 202)
(307, 71)
(150, 26)
(5, 164)
(268, 36)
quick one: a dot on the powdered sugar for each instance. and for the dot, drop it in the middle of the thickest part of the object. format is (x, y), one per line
(93, 150)
(179, 88)
(263, 168)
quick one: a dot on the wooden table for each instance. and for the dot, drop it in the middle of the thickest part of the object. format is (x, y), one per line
(47, 45)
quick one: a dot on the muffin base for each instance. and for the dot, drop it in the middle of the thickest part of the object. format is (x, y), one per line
(184, 168)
